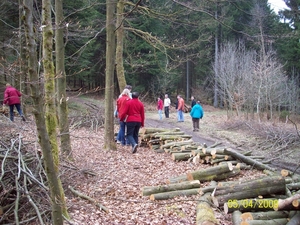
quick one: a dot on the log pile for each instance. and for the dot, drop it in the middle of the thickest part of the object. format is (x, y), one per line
(269, 199)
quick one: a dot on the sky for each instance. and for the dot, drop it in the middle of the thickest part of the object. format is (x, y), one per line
(277, 5)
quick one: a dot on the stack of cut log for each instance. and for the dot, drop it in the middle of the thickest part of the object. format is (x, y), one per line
(270, 199)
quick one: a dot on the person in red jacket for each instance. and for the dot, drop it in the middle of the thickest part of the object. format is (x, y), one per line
(134, 116)
(12, 99)
(124, 97)
(160, 106)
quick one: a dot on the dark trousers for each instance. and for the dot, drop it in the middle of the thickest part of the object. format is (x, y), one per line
(11, 111)
(196, 123)
(133, 129)
(167, 111)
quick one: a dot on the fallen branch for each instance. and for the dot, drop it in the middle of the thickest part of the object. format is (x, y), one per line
(81, 195)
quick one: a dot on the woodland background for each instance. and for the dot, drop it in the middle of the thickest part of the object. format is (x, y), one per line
(237, 55)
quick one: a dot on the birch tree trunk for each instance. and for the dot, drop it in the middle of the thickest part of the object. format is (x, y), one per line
(109, 75)
(65, 142)
(56, 194)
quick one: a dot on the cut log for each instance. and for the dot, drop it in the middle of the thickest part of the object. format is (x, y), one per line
(280, 221)
(250, 189)
(159, 134)
(175, 143)
(285, 173)
(177, 179)
(205, 174)
(293, 186)
(155, 130)
(250, 204)
(288, 202)
(236, 217)
(148, 190)
(269, 215)
(248, 160)
(181, 156)
(174, 137)
(205, 215)
(172, 194)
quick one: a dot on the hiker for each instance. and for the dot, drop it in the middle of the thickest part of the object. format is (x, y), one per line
(160, 106)
(193, 102)
(180, 109)
(134, 116)
(167, 103)
(12, 99)
(124, 97)
(196, 114)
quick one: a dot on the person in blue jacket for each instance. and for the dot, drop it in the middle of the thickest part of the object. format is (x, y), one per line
(196, 114)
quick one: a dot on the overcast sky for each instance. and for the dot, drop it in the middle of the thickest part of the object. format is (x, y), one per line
(277, 4)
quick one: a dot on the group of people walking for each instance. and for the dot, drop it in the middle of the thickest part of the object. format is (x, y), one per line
(131, 114)
(196, 109)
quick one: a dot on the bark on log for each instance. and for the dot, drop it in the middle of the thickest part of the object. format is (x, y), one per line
(281, 221)
(248, 160)
(250, 189)
(205, 215)
(181, 156)
(172, 194)
(175, 143)
(155, 130)
(148, 190)
(177, 179)
(269, 215)
(288, 202)
(295, 220)
(293, 186)
(236, 217)
(250, 204)
(174, 137)
(205, 174)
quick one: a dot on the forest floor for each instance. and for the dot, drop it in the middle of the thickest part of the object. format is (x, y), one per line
(115, 178)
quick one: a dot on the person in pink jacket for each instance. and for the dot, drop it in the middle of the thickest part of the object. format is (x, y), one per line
(12, 99)
(134, 116)
(160, 106)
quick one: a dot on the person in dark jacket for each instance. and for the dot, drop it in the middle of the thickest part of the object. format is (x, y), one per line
(193, 102)
(196, 114)
(12, 99)
(134, 116)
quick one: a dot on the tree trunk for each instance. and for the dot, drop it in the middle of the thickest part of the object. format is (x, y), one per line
(63, 122)
(109, 75)
(119, 47)
(172, 194)
(56, 194)
(170, 187)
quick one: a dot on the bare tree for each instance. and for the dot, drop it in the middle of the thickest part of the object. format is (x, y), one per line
(65, 142)
(37, 94)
